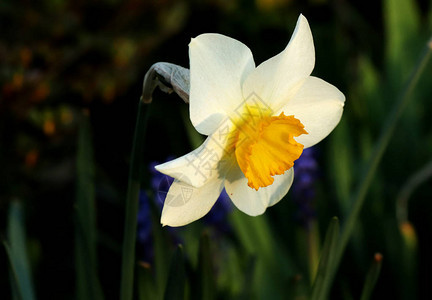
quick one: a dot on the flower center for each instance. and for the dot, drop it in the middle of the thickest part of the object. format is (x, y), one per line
(266, 147)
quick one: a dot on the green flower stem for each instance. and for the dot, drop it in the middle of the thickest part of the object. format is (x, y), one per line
(386, 134)
(131, 210)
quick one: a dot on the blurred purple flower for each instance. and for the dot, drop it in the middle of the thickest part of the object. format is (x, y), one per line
(144, 228)
(303, 190)
(160, 184)
(217, 216)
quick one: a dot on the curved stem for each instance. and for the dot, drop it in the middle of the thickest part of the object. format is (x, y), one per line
(408, 188)
(168, 77)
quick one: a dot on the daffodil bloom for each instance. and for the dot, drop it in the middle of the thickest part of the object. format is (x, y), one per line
(257, 121)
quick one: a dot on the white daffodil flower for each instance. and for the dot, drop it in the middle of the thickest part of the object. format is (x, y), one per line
(258, 121)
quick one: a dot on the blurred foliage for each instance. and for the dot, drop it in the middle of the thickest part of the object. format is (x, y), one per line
(63, 60)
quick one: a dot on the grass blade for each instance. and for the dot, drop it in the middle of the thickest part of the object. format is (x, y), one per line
(16, 250)
(206, 280)
(273, 267)
(372, 277)
(177, 277)
(88, 286)
(402, 25)
(146, 285)
(248, 281)
(325, 267)
(162, 248)
(359, 195)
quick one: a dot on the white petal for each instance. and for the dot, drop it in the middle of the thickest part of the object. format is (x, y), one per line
(319, 106)
(218, 67)
(185, 203)
(276, 80)
(254, 202)
(205, 162)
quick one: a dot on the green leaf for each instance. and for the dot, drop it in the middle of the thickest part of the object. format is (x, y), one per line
(369, 94)
(88, 286)
(404, 40)
(175, 286)
(248, 282)
(402, 23)
(273, 266)
(162, 248)
(372, 277)
(341, 162)
(255, 234)
(16, 250)
(312, 236)
(146, 284)
(321, 285)
(359, 195)
(206, 278)
(430, 15)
